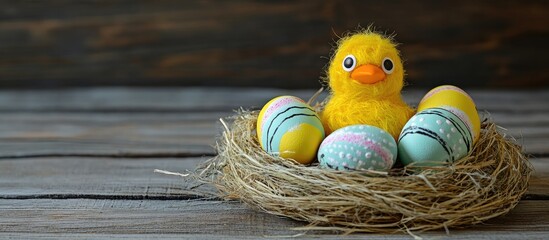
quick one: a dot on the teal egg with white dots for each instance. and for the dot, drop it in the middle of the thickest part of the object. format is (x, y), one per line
(434, 137)
(358, 147)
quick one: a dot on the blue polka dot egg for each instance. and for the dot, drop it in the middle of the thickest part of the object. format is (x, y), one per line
(433, 137)
(358, 147)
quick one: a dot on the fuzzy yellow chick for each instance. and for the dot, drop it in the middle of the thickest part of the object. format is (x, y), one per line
(366, 76)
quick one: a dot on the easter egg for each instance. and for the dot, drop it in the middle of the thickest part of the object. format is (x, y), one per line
(358, 147)
(452, 98)
(290, 128)
(434, 137)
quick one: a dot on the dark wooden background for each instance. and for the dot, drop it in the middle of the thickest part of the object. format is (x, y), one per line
(66, 43)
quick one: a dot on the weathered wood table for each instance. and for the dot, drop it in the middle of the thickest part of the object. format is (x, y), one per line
(79, 164)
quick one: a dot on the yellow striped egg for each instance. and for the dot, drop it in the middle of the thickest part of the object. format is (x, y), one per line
(290, 128)
(455, 100)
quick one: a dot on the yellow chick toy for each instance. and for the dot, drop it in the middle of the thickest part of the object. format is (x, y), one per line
(366, 76)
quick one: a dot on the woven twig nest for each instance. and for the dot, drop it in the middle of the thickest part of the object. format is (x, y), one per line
(487, 183)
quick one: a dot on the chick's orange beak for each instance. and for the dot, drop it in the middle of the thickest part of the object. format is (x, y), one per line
(368, 74)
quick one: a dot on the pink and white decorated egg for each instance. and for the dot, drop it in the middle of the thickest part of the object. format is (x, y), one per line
(358, 147)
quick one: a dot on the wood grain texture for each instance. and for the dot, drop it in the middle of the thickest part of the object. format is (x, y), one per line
(539, 182)
(457, 235)
(103, 144)
(263, 43)
(109, 134)
(228, 219)
(129, 99)
(169, 134)
(130, 178)
(99, 178)
(184, 122)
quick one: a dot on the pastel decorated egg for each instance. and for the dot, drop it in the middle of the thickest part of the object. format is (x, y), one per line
(288, 127)
(453, 98)
(433, 137)
(358, 147)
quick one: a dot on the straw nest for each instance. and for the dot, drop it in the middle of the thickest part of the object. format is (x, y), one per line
(486, 184)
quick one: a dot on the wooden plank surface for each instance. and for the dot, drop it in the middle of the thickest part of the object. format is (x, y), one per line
(169, 134)
(263, 43)
(232, 219)
(108, 134)
(84, 177)
(184, 122)
(123, 99)
(79, 164)
(72, 177)
(504, 235)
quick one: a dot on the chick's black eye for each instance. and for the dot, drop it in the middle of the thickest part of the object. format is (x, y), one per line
(349, 63)
(388, 65)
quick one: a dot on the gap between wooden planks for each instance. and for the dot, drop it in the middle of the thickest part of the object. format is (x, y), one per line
(139, 122)
(123, 178)
(100, 197)
(107, 123)
(179, 134)
(107, 216)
